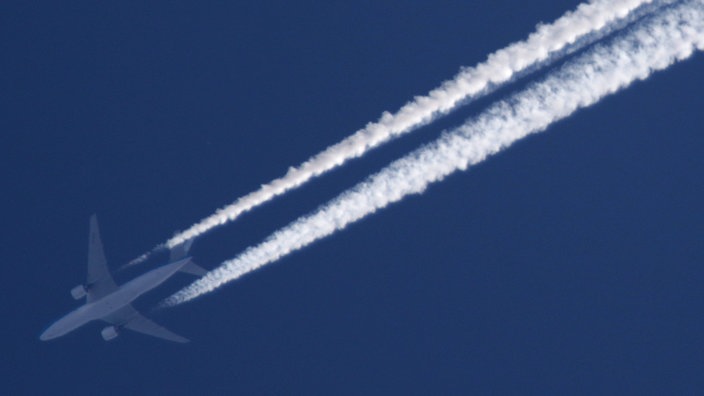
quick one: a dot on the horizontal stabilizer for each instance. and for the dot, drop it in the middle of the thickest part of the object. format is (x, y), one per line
(193, 269)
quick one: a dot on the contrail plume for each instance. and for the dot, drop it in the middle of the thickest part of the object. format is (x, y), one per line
(572, 31)
(651, 45)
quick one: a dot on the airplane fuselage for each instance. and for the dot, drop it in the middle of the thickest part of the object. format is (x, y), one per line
(110, 303)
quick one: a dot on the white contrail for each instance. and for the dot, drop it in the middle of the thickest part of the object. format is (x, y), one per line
(652, 45)
(548, 42)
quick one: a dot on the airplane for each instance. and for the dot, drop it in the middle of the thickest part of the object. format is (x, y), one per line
(111, 303)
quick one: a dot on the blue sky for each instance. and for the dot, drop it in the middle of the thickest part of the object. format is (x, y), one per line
(570, 263)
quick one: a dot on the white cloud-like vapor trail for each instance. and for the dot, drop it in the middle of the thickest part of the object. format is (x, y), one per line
(651, 45)
(548, 42)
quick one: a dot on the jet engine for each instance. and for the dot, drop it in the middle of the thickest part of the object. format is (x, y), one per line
(109, 333)
(78, 292)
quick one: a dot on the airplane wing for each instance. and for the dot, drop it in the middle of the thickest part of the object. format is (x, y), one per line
(129, 318)
(99, 281)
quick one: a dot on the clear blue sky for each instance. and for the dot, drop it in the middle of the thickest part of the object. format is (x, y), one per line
(571, 263)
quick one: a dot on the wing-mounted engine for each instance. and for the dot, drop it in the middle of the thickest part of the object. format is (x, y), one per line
(109, 333)
(79, 292)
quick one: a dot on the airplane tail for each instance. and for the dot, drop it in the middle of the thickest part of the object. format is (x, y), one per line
(180, 251)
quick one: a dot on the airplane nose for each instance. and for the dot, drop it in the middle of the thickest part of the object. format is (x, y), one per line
(48, 334)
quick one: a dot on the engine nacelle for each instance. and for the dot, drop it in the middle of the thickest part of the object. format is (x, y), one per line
(109, 333)
(78, 292)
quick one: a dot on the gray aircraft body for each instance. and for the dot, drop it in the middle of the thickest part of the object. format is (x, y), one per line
(111, 303)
